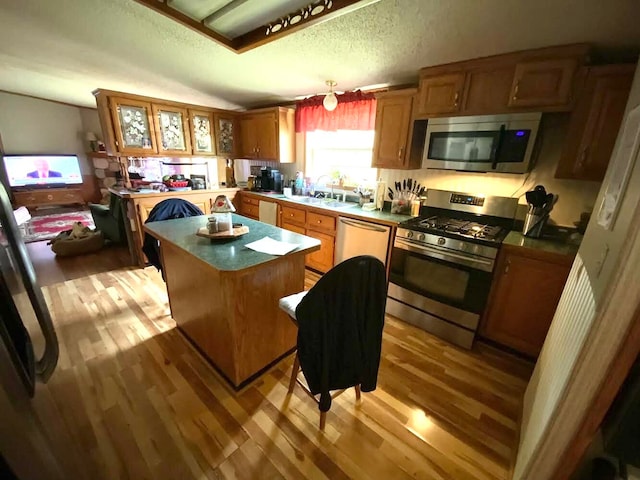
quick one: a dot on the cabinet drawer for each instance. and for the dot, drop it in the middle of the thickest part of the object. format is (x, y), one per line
(250, 200)
(293, 215)
(293, 228)
(250, 210)
(48, 197)
(321, 222)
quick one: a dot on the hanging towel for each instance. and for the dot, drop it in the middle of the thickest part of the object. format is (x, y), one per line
(268, 212)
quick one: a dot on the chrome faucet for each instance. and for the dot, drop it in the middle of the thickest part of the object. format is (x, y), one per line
(318, 181)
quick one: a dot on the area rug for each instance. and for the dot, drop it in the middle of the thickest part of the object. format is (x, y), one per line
(46, 227)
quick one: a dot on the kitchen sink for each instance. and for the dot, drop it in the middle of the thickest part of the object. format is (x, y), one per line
(323, 202)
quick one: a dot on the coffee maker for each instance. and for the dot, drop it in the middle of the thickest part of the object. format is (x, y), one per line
(269, 180)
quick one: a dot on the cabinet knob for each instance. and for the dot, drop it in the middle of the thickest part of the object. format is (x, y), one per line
(515, 90)
(400, 150)
(456, 97)
(506, 268)
(319, 221)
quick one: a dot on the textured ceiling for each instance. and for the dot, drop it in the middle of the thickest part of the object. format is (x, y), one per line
(64, 49)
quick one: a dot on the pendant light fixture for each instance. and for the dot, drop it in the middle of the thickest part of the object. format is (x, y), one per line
(330, 101)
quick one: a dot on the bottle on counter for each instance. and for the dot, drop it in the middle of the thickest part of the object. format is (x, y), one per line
(381, 188)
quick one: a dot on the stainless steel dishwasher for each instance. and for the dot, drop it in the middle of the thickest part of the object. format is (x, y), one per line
(355, 237)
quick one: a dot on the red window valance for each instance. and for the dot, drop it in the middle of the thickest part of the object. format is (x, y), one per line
(355, 111)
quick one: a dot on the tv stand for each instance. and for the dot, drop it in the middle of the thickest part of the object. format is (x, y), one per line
(47, 197)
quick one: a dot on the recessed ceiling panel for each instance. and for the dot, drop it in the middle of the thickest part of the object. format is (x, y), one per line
(252, 14)
(198, 9)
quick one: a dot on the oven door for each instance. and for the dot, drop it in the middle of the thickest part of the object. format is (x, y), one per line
(451, 278)
(481, 144)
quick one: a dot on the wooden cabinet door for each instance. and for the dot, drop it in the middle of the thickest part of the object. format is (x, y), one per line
(172, 129)
(266, 131)
(225, 135)
(293, 228)
(321, 260)
(543, 83)
(134, 126)
(524, 297)
(393, 119)
(440, 94)
(595, 122)
(487, 90)
(248, 137)
(202, 132)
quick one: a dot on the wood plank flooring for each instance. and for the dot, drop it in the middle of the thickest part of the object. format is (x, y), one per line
(131, 399)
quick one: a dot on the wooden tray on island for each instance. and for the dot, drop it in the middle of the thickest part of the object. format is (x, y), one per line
(237, 232)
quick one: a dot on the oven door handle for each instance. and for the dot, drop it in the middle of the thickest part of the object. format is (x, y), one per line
(481, 263)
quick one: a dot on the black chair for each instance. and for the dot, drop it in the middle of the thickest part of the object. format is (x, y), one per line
(109, 219)
(340, 321)
(165, 210)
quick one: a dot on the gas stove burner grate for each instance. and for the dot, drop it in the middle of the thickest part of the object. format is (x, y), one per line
(462, 227)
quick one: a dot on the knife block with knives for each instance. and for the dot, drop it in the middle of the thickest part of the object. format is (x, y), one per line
(405, 192)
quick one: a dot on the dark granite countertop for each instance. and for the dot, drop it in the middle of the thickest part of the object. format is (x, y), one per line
(353, 211)
(230, 254)
(558, 243)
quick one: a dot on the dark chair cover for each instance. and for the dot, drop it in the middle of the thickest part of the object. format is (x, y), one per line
(340, 323)
(166, 210)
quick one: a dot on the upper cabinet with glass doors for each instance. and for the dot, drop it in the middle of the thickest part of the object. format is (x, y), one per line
(202, 132)
(134, 128)
(172, 129)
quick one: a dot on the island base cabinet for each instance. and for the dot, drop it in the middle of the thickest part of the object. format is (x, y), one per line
(525, 293)
(233, 318)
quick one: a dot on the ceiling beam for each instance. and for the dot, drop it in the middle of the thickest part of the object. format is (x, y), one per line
(314, 13)
(221, 12)
(174, 14)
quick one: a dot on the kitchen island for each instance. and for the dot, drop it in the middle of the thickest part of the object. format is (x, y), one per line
(136, 207)
(224, 296)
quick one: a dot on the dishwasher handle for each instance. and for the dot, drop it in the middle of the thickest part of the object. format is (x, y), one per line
(363, 225)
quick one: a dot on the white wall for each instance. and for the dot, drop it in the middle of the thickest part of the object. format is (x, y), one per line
(575, 196)
(30, 125)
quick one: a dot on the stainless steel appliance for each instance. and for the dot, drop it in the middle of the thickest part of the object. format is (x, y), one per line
(28, 354)
(442, 262)
(487, 143)
(355, 237)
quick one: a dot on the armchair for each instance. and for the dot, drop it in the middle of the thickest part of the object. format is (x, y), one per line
(109, 219)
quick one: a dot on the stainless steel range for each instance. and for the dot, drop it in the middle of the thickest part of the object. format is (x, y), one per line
(442, 262)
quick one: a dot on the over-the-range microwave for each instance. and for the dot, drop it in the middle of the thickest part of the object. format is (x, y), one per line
(487, 143)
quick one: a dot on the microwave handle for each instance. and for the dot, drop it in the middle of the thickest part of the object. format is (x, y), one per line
(496, 152)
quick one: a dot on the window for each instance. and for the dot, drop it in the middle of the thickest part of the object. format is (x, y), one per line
(342, 154)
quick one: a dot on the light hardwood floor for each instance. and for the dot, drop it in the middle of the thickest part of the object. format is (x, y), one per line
(131, 399)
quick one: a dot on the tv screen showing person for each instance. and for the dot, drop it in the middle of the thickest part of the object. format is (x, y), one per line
(42, 170)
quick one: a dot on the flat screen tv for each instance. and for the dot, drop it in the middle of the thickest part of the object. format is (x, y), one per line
(42, 170)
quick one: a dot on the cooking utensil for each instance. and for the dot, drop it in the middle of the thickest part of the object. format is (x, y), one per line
(398, 187)
(390, 193)
(536, 198)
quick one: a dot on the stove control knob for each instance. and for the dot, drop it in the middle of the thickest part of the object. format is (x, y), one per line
(421, 237)
(409, 234)
(441, 241)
